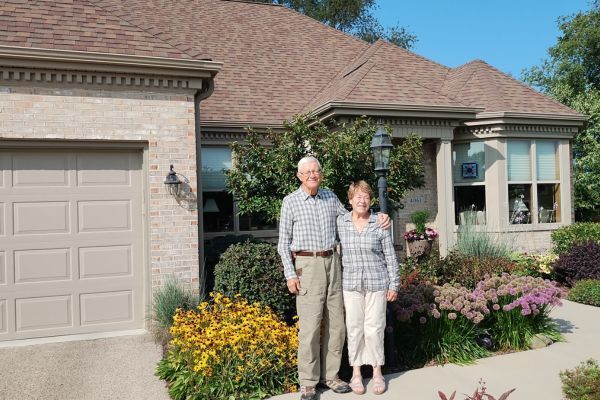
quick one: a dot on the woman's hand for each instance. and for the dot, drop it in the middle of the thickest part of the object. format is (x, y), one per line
(392, 295)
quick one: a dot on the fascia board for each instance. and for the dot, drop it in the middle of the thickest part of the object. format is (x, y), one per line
(11, 56)
(486, 118)
(394, 110)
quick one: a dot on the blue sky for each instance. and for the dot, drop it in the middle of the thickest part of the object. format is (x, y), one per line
(509, 34)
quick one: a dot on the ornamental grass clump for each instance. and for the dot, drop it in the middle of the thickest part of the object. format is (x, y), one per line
(520, 308)
(229, 348)
(439, 323)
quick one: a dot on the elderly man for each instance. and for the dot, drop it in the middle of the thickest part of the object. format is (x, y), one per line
(307, 241)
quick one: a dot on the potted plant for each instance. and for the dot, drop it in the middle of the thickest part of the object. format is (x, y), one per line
(420, 239)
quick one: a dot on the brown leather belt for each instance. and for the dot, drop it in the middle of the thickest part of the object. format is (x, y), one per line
(324, 253)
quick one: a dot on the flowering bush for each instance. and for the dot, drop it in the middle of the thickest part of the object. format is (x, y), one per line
(228, 348)
(413, 234)
(444, 323)
(537, 265)
(523, 305)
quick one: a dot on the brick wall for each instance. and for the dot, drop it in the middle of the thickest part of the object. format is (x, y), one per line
(424, 198)
(161, 120)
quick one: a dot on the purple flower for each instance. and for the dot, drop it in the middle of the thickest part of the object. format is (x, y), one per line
(422, 320)
(452, 316)
(496, 307)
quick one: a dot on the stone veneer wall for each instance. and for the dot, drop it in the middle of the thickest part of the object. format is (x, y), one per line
(161, 120)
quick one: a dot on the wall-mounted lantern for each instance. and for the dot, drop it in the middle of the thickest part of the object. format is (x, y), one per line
(173, 182)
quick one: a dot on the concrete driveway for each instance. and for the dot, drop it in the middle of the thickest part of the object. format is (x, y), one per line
(111, 368)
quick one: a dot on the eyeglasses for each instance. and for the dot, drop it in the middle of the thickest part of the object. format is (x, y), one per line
(309, 173)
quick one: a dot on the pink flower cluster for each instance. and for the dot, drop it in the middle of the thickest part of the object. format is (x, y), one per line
(531, 295)
(494, 294)
(413, 235)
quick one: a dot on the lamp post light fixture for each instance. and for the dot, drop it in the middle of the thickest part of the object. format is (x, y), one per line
(173, 182)
(381, 146)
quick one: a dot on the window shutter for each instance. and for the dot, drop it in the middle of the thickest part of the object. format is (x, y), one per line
(546, 162)
(519, 160)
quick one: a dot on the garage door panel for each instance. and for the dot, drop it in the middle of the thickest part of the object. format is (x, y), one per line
(2, 220)
(105, 261)
(104, 216)
(107, 307)
(2, 268)
(71, 242)
(40, 169)
(103, 170)
(42, 265)
(43, 313)
(41, 217)
(3, 317)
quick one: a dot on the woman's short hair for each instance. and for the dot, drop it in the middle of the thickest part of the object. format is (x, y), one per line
(361, 186)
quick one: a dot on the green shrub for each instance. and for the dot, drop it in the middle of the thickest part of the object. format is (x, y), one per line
(577, 233)
(419, 218)
(165, 302)
(255, 271)
(582, 382)
(580, 262)
(468, 269)
(475, 240)
(536, 265)
(586, 291)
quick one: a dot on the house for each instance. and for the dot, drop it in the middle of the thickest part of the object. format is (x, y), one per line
(98, 98)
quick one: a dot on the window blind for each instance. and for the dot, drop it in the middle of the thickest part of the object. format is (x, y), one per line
(215, 161)
(546, 160)
(519, 160)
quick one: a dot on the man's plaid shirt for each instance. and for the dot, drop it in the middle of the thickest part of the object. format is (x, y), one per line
(368, 257)
(307, 223)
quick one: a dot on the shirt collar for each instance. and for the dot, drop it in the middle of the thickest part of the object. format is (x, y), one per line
(305, 195)
(372, 217)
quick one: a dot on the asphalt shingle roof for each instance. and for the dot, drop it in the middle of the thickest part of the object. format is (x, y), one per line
(277, 62)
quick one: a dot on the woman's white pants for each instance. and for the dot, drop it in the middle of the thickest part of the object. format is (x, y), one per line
(365, 325)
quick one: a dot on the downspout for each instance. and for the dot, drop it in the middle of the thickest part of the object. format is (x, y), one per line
(200, 95)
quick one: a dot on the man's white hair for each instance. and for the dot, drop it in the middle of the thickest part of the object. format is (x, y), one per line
(308, 160)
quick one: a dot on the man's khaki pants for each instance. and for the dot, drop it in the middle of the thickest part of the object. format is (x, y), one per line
(319, 303)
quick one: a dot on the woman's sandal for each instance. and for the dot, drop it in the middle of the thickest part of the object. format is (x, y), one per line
(378, 384)
(356, 384)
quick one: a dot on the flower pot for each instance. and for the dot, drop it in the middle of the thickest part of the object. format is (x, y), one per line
(419, 248)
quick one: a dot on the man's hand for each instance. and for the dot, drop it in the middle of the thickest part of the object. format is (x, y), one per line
(392, 295)
(384, 221)
(293, 286)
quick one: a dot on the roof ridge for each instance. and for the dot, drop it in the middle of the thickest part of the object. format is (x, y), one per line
(96, 3)
(367, 70)
(523, 84)
(322, 23)
(471, 75)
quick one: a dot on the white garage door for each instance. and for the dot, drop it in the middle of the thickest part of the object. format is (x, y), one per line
(71, 242)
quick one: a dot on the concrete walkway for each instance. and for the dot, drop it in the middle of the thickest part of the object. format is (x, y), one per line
(533, 373)
(123, 368)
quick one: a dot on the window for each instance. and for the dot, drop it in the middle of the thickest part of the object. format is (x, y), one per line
(219, 209)
(533, 181)
(468, 172)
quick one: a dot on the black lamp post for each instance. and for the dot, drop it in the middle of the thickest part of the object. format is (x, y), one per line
(381, 146)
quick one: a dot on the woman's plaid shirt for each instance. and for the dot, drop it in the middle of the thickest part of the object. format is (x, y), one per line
(307, 223)
(368, 257)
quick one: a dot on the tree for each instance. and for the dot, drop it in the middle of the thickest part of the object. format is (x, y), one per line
(264, 170)
(351, 16)
(571, 74)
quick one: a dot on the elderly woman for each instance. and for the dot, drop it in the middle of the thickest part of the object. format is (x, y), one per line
(370, 279)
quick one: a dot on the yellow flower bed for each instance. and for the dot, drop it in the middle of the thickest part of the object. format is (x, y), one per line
(230, 348)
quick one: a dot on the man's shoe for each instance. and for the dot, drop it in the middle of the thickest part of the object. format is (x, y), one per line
(337, 385)
(308, 393)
